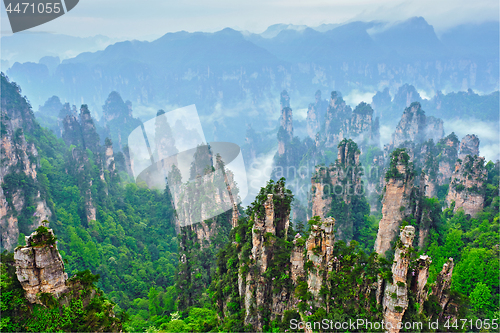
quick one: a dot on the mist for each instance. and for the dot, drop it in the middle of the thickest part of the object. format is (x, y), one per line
(487, 132)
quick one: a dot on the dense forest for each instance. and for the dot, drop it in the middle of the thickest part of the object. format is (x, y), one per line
(156, 279)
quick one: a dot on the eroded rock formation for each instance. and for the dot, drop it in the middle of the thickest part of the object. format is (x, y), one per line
(39, 266)
(340, 182)
(469, 146)
(109, 159)
(336, 114)
(319, 247)
(19, 162)
(285, 133)
(423, 264)
(395, 301)
(313, 121)
(361, 126)
(273, 223)
(449, 155)
(443, 282)
(467, 185)
(416, 128)
(397, 200)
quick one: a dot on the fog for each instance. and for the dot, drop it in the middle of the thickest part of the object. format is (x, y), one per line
(487, 132)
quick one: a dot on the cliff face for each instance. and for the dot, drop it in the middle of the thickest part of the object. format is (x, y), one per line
(449, 155)
(441, 288)
(19, 163)
(257, 288)
(39, 266)
(336, 114)
(78, 167)
(203, 196)
(316, 115)
(361, 125)
(434, 129)
(335, 189)
(469, 146)
(395, 301)
(414, 129)
(109, 158)
(414, 126)
(117, 120)
(421, 290)
(397, 200)
(319, 247)
(313, 121)
(205, 214)
(467, 185)
(343, 123)
(81, 132)
(285, 134)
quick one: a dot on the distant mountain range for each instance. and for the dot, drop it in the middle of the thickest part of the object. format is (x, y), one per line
(241, 73)
(31, 47)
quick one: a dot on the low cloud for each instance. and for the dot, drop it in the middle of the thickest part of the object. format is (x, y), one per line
(385, 134)
(258, 174)
(355, 97)
(488, 134)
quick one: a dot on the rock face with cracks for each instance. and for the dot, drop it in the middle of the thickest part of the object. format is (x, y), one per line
(19, 164)
(39, 266)
(395, 301)
(467, 185)
(396, 203)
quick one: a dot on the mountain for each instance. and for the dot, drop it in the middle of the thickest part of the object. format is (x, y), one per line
(412, 39)
(31, 47)
(480, 39)
(275, 29)
(235, 71)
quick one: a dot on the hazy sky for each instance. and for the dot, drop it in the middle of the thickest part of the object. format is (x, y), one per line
(151, 18)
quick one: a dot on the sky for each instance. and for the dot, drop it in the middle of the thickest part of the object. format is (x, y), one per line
(147, 19)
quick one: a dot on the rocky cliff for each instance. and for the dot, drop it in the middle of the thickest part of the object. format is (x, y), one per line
(414, 126)
(285, 133)
(336, 189)
(18, 165)
(272, 277)
(313, 121)
(87, 157)
(441, 288)
(469, 146)
(117, 120)
(319, 253)
(271, 222)
(361, 126)
(395, 300)
(39, 266)
(448, 157)
(316, 115)
(343, 123)
(467, 185)
(49, 300)
(336, 114)
(398, 200)
(205, 214)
